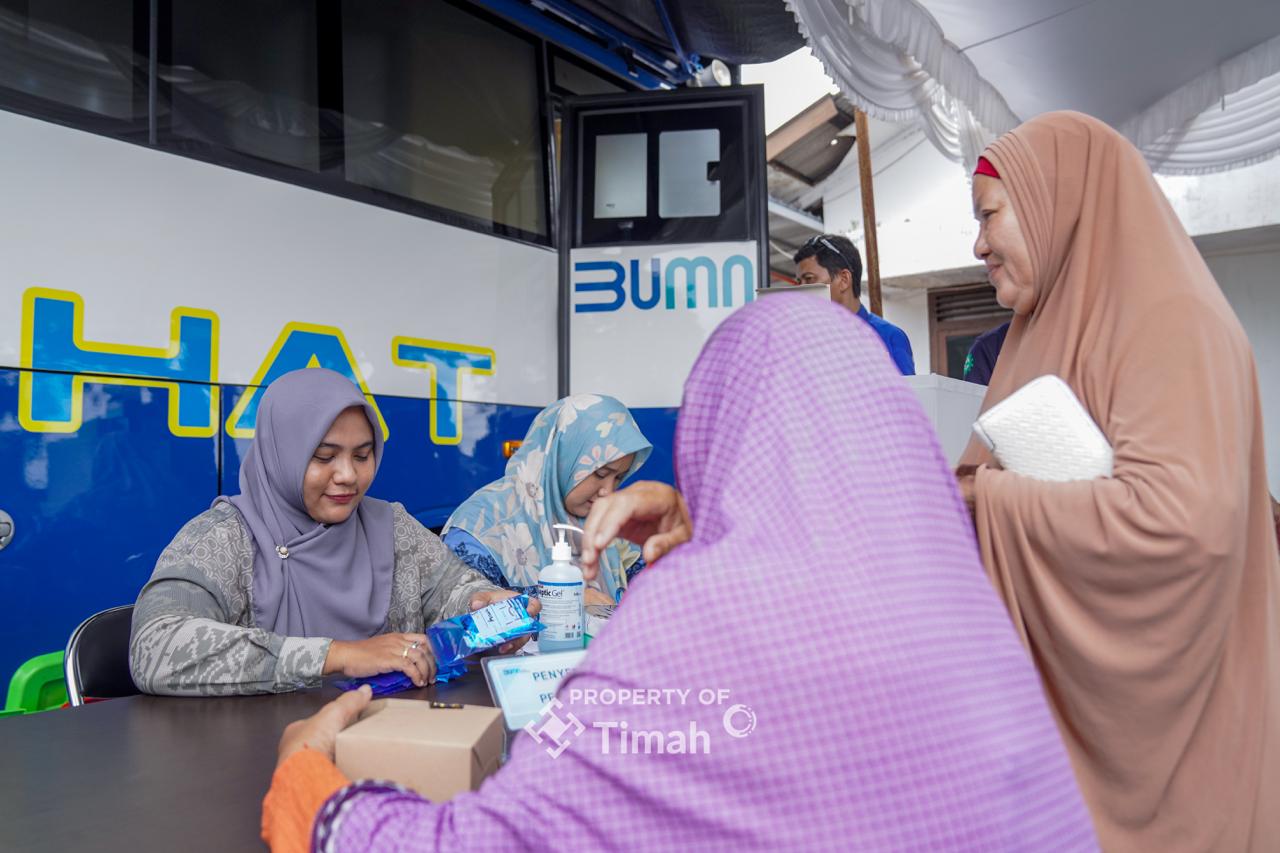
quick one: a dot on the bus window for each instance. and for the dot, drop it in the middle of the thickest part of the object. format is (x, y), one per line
(86, 56)
(244, 75)
(688, 173)
(461, 97)
(436, 108)
(425, 106)
(684, 171)
(622, 170)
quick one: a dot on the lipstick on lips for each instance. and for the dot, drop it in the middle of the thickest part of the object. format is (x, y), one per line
(341, 499)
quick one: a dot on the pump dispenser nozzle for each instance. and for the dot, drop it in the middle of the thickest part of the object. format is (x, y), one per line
(561, 552)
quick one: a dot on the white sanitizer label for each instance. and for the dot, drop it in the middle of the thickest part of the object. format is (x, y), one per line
(491, 621)
(561, 611)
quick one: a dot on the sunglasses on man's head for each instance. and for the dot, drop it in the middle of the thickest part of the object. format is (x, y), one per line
(823, 242)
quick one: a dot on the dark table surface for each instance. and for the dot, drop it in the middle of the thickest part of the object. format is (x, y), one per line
(154, 772)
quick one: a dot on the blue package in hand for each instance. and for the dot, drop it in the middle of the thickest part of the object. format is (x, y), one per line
(462, 636)
(393, 682)
(384, 684)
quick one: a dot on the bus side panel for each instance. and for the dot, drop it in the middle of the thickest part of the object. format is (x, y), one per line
(429, 479)
(432, 480)
(659, 426)
(92, 510)
(118, 237)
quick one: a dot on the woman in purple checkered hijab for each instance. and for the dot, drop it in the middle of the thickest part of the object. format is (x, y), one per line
(823, 664)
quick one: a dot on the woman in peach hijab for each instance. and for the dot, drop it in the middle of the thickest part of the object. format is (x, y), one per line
(1148, 599)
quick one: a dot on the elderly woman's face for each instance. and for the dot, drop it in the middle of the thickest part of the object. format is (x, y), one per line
(602, 482)
(1001, 246)
(341, 469)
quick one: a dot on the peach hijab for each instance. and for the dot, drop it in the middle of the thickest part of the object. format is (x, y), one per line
(1148, 600)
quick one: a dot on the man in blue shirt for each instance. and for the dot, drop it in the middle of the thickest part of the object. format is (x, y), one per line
(980, 363)
(834, 261)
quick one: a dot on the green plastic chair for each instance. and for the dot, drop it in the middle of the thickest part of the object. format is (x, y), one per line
(37, 685)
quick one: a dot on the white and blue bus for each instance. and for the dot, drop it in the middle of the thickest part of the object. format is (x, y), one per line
(196, 197)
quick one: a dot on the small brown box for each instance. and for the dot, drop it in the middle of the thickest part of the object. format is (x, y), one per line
(438, 752)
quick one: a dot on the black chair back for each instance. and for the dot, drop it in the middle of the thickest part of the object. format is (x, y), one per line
(97, 659)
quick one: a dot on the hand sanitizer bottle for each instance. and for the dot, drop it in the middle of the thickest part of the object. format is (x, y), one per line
(560, 590)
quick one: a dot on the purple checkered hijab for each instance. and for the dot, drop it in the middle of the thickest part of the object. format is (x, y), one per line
(841, 671)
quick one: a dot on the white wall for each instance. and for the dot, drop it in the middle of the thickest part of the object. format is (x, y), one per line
(924, 214)
(925, 219)
(1251, 283)
(1226, 201)
(909, 311)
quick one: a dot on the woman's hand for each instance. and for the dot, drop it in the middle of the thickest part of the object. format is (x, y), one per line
(651, 514)
(967, 479)
(398, 652)
(320, 730)
(493, 596)
(595, 596)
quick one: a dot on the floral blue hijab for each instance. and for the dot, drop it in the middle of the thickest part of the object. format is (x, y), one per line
(567, 442)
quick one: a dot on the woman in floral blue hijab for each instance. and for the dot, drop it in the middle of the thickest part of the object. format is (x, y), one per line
(577, 449)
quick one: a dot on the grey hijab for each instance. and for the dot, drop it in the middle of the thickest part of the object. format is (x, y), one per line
(335, 581)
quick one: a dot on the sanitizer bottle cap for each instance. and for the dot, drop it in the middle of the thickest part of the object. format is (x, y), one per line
(561, 552)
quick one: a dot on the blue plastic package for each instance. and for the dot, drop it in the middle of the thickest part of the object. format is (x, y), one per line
(394, 682)
(456, 639)
(383, 684)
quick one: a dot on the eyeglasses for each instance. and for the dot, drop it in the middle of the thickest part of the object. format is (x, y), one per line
(815, 242)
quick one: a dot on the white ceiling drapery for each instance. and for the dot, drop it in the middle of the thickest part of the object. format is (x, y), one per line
(1195, 86)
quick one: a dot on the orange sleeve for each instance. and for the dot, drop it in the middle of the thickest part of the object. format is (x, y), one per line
(299, 788)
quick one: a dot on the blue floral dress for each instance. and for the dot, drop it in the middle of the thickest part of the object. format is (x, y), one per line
(504, 530)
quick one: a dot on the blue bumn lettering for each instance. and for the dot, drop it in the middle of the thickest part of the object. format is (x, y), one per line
(691, 268)
(743, 263)
(614, 286)
(718, 280)
(644, 303)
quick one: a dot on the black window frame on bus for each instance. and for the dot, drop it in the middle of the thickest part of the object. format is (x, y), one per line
(584, 230)
(150, 19)
(554, 101)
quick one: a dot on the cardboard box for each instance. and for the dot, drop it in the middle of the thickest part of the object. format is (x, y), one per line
(438, 752)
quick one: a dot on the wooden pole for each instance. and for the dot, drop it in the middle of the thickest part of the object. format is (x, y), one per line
(868, 212)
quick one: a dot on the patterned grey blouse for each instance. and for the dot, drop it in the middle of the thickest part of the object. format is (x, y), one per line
(193, 626)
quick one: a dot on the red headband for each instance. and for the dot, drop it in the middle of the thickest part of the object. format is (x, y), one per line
(985, 168)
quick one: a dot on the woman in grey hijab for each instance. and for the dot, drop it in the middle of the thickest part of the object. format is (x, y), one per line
(301, 575)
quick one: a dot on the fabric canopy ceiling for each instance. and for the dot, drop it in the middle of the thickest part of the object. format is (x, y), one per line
(1195, 85)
